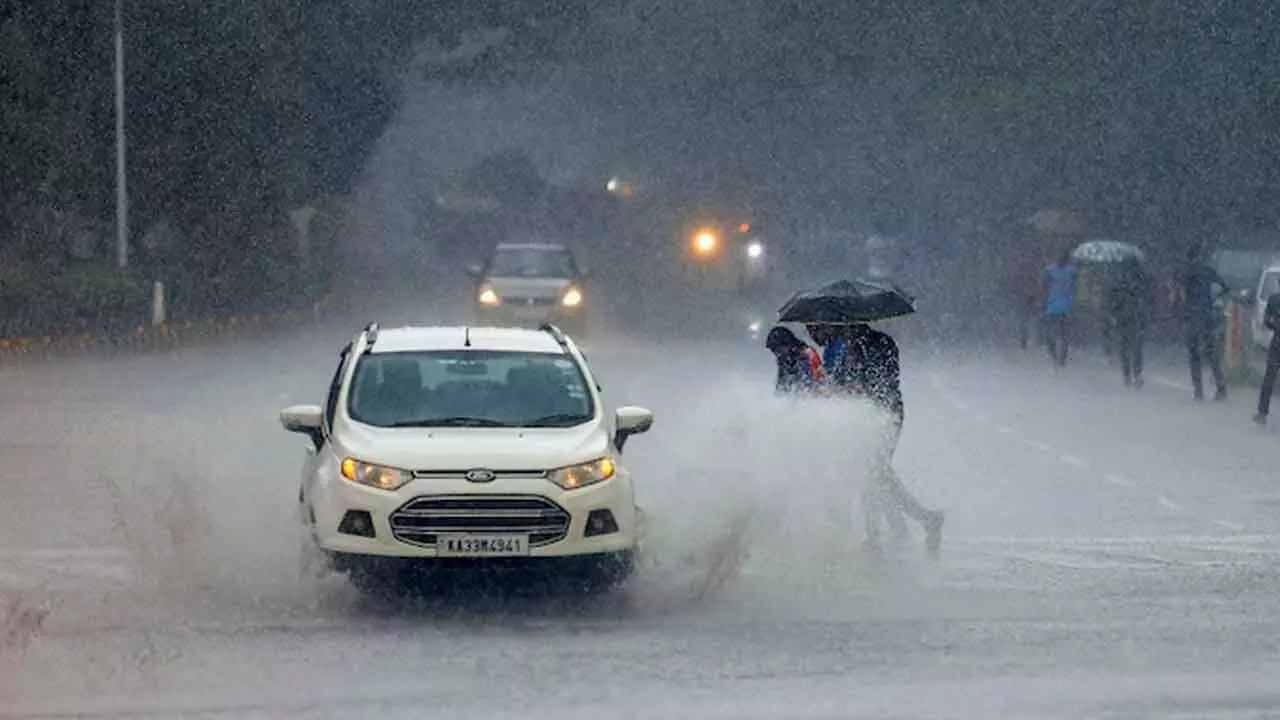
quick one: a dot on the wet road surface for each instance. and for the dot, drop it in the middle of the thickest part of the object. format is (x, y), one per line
(1108, 553)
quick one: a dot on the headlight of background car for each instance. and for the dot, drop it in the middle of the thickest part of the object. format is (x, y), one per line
(375, 476)
(572, 298)
(578, 476)
(489, 297)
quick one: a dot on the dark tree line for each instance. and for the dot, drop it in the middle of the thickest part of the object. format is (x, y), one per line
(237, 112)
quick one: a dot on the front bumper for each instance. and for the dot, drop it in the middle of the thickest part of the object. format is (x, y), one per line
(404, 521)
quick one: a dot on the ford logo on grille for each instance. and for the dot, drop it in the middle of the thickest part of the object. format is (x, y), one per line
(480, 476)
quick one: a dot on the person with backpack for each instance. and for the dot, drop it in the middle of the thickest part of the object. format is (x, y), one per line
(799, 365)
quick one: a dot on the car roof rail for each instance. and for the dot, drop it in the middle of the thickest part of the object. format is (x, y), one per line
(556, 333)
(371, 335)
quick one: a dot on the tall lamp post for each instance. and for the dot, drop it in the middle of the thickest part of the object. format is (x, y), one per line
(122, 193)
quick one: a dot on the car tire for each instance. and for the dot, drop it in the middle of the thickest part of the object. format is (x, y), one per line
(373, 577)
(605, 573)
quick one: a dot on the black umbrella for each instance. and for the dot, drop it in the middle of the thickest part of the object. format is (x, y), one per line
(847, 301)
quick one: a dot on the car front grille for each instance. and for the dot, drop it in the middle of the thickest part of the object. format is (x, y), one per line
(532, 301)
(422, 519)
(498, 475)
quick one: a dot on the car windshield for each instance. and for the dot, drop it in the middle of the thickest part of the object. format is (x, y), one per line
(1270, 285)
(465, 388)
(532, 263)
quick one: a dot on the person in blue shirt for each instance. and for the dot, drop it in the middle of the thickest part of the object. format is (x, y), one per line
(1060, 303)
(832, 343)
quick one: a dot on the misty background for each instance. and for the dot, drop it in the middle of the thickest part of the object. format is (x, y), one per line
(409, 136)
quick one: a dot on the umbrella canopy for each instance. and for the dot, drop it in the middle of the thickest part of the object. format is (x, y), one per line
(847, 301)
(1107, 251)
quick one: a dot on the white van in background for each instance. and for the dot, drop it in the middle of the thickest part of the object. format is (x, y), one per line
(1268, 285)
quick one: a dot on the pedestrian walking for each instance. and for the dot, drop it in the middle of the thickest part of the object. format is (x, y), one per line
(870, 369)
(1129, 303)
(1202, 287)
(799, 366)
(1060, 282)
(1270, 318)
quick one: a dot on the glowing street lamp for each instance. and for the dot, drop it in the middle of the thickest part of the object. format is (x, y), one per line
(705, 242)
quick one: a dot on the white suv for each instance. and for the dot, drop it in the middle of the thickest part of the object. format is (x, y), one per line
(490, 446)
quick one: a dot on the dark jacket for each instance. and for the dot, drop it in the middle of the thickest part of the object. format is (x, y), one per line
(1129, 297)
(1199, 296)
(794, 358)
(1271, 316)
(870, 368)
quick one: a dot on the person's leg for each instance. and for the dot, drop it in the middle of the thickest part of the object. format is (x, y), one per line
(1269, 381)
(1053, 329)
(1126, 354)
(1193, 357)
(1213, 351)
(1138, 340)
(897, 496)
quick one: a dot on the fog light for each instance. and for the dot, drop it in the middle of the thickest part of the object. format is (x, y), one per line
(358, 523)
(600, 522)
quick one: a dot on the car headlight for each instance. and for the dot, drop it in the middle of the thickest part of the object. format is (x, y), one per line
(579, 476)
(489, 297)
(755, 251)
(375, 476)
(572, 298)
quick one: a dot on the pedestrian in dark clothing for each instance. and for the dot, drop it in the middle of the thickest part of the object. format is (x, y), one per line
(799, 367)
(1199, 306)
(1270, 318)
(1128, 301)
(870, 368)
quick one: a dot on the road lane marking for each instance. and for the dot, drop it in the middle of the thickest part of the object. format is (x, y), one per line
(1004, 430)
(65, 569)
(1234, 541)
(1170, 505)
(1040, 445)
(1074, 461)
(1229, 525)
(63, 553)
(1118, 480)
(1169, 383)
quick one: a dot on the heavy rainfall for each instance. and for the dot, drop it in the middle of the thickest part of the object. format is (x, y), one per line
(565, 359)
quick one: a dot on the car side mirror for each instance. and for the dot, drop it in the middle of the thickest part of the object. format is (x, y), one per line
(475, 271)
(628, 421)
(306, 420)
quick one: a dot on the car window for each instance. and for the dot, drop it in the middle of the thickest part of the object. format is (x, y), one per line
(532, 263)
(466, 388)
(1270, 285)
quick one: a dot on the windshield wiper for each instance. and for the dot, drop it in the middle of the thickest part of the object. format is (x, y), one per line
(455, 421)
(559, 420)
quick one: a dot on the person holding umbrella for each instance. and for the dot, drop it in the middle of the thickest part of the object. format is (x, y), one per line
(869, 368)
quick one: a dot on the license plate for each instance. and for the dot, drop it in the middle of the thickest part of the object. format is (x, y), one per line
(530, 313)
(482, 545)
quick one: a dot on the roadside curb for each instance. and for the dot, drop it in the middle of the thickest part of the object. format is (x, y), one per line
(146, 340)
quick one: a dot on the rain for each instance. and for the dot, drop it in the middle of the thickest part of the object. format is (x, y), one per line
(1040, 240)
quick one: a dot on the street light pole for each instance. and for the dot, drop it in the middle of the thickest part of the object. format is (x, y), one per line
(122, 194)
